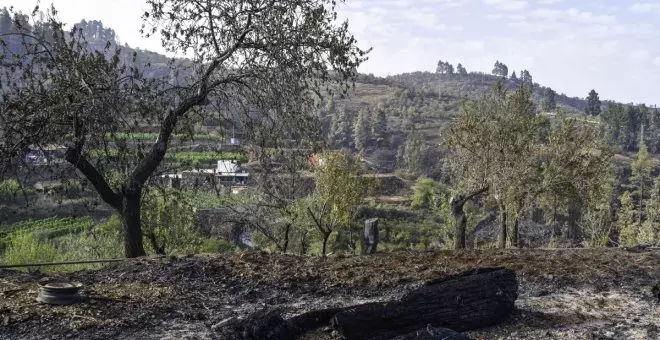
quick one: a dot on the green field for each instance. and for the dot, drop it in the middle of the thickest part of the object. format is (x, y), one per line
(45, 229)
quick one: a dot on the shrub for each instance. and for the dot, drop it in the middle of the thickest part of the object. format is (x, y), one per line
(216, 245)
(9, 188)
(25, 248)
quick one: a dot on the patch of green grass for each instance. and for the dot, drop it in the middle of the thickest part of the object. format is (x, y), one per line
(9, 188)
(44, 229)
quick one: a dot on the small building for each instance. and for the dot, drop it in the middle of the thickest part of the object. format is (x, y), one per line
(230, 171)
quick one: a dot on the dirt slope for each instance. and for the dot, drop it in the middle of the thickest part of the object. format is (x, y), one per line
(564, 294)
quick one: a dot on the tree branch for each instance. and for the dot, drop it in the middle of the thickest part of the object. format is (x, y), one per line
(149, 163)
(74, 157)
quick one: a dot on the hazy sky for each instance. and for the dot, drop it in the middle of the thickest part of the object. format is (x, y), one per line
(569, 45)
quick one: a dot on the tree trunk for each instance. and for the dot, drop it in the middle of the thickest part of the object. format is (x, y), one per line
(285, 246)
(470, 300)
(460, 219)
(461, 225)
(370, 236)
(503, 231)
(514, 235)
(130, 212)
(326, 236)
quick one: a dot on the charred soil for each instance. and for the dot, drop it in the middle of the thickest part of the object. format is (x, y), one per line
(563, 294)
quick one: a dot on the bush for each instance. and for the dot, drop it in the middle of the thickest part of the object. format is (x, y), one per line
(216, 245)
(9, 188)
(25, 248)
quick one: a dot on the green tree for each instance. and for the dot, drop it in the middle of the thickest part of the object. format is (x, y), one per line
(641, 182)
(593, 104)
(526, 78)
(340, 129)
(5, 21)
(444, 68)
(460, 69)
(361, 131)
(379, 130)
(426, 194)
(233, 46)
(494, 144)
(500, 69)
(513, 77)
(339, 191)
(653, 137)
(413, 153)
(548, 103)
(616, 120)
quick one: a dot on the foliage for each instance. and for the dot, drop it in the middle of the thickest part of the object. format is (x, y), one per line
(233, 46)
(495, 142)
(593, 104)
(10, 188)
(24, 247)
(169, 219)
(339, 190)
(426, 194)
(44, 229)
(549, 104)
(500, 69)
(361, 131)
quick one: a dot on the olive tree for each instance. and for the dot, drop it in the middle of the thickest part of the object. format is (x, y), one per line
(338, 192)
(496, 147)
(262, 62)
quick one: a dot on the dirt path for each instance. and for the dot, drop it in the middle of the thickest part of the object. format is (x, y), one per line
(564, 294)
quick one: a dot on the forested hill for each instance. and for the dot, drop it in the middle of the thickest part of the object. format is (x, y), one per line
(398, 121)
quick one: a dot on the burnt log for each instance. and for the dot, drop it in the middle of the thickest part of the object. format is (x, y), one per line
(430, 333)
(467, 301)
(370, 236)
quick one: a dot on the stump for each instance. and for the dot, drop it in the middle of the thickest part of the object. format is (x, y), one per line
(470, 300)
(370, 236)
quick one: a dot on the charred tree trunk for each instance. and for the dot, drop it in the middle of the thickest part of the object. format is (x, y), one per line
(285, 246)
(503, 229)
(370, 236)
(514, 233)
(471, 300)
(326, 236)
(460, 219)
(130, 212)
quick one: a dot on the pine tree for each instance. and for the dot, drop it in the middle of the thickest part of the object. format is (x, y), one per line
(526, 78)
(379, 125)
(514, 77)
(593, 104)
(653, 134)
(361, 131)
(461, 70)
(650, 232)
(549, 104)
(340, 129)
(5, 21)
(640, 182)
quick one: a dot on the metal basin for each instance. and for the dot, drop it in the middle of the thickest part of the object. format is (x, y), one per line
(60, 293)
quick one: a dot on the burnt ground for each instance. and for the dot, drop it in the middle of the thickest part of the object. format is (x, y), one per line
(563, 294)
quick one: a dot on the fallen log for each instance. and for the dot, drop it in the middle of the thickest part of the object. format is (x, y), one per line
(430, 333)
(470, 300)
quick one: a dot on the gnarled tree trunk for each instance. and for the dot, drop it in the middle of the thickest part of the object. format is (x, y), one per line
(130, 212)
(503, 229)
(460, 219)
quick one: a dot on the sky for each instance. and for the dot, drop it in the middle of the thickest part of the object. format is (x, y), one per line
(572, 46)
